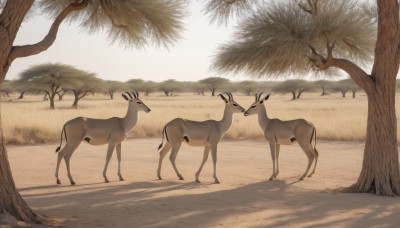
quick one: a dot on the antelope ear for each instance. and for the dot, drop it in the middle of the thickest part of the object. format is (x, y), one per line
(125, 97)
(223, 98)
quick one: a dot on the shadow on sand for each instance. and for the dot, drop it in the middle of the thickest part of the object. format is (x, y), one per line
(164, 204)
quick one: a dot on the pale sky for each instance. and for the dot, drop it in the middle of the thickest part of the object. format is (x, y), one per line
(188, 59)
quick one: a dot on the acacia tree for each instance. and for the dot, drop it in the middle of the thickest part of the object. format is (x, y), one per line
(248, 87)
(7, 88)
(140, 85)
(82, 83)
(341, 87)
(54, 79)
(114, 86)
(130, 22)
(287, 37)
(295, 87)
(214, 83)
(323, 84)
(344, 86)
(170, 86)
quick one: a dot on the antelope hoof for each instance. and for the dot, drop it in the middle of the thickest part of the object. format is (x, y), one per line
(198, 181)
(159, 176)
(58, 181)
(217, 181)
(121, 178)
(181, 178)
(72, 182)
(106, 180)
(301, 178)
(271, 178)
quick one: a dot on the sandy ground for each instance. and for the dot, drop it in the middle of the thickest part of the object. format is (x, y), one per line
(243, 199)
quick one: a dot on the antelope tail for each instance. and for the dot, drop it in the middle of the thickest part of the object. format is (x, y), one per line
(164, 132)
(65, 134)
(314, 135)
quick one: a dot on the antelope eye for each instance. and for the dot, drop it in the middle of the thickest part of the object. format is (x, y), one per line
(234, 104)
(139, 102)
(253, 106)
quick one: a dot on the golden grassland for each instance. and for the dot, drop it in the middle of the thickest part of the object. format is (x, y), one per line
(30, 120)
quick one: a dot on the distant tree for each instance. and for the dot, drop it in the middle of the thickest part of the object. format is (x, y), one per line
(51, 78)
(340, 86)
(249, 88)
(323, 85)
(86, 83)
(61, 94)
(214, 83)
(197, 88)
(169, 86)
(344, 86)
(295, 87)
(114, 86)
(140, 85)
(6, 88)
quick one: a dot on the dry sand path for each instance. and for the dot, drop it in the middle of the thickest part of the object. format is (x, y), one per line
(243, 199)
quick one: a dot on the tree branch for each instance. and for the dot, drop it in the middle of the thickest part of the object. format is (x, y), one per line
(83, 94)
(359, 76)
(48, 40)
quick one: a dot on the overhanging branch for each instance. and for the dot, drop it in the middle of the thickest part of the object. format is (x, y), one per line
(48, 40)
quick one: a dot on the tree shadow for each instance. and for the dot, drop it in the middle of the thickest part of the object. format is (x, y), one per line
(186, 204)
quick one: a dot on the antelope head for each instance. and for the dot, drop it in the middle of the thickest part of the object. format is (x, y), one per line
(235, 107)
(253, 109)
(134, 101)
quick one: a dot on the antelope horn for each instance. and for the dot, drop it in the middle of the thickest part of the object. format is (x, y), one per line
(129, 95)
(259, 96)
(229, 96)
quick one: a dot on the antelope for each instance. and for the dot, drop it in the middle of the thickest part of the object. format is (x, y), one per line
(98, 132)
(288, 132)
(197, 133)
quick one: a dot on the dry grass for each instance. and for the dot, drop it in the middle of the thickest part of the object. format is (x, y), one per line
(30, 120)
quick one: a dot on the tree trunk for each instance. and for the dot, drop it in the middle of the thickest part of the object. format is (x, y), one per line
(51, 98)
(75, 104)
(60, 95)
(323, 91)
(11, 16)
(111, 94)
(299, 94)
(380, 168)
(10, 200)
(293, 95)
(21, 95)
(212, 92)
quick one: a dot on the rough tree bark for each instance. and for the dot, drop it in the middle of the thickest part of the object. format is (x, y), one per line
(11, 18)
(380, 168)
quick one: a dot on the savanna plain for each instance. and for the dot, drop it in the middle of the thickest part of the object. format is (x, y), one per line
(245, 197)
